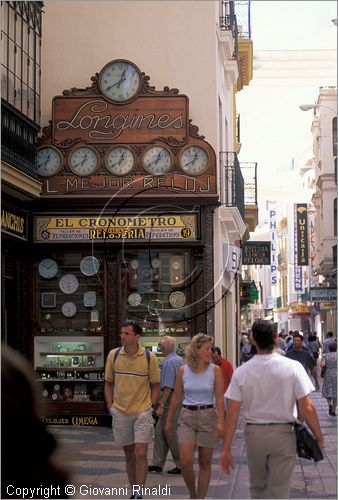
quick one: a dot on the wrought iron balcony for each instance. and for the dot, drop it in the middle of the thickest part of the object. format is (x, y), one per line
(18, 140)
(228, 21)
(242, 11)
(232, 180)
(249, 172)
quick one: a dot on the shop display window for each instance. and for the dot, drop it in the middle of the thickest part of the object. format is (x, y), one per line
(156, 291)
(70, 293)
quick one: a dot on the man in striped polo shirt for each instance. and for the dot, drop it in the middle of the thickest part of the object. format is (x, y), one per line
(132, 386)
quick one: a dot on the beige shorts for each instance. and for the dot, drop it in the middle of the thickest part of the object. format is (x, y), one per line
(130, 429)
(198, 427)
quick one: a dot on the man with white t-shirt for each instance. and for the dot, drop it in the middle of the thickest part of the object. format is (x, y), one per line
(268, 387)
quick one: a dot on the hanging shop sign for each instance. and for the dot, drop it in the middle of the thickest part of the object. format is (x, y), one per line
(302, 234)
(256, 253)
(14, 222)
(323, 294)
(169, 227)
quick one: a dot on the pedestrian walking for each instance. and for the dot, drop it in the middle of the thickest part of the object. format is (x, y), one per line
(329, 340)
(200, 384)
(329, 389)
(132, 386)
(163, 441)
(302, 356)
(29, 463)
(225, 366)
(313, 346)
(268, 387)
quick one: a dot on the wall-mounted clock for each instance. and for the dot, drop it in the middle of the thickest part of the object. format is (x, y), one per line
(48, 268)
(157, 160)
(49, 161)
(177, 299)
(89, 299)
(134, 299)
(119, 160)
(68, 283)
(155, 307)
(134, 264)
(83, 161)
(194, 160)
(120, 80)
(68, 309)
(89, 265)
(48, 299)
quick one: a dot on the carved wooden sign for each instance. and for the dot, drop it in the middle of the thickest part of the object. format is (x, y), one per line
(122, 137)
(99, 121)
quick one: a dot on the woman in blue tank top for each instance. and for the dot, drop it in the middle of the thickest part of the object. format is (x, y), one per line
(199, 386)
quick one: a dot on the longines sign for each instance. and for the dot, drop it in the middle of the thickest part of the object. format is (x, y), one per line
(95, 120)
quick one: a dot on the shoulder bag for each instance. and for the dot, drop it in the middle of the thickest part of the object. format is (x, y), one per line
(307, 445)
(322, 371)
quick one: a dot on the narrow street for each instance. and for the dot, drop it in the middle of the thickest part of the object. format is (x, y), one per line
(95, 463)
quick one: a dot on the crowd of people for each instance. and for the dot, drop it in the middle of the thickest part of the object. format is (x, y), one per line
(197, 402)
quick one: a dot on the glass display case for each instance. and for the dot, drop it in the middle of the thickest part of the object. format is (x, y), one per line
(71, 370)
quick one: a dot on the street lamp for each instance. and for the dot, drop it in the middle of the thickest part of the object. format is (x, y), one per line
(307, 107)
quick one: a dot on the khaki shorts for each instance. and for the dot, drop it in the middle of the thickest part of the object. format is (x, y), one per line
(198, 427)
(130, 429)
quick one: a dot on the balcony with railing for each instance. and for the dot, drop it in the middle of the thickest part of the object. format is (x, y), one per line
(232, 181)
(228, 22)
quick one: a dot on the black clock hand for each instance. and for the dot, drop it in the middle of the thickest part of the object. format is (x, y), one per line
(118, 83)
(193, 160)
(121, 159)
(44, 162)
(157, 159)
(81, 162)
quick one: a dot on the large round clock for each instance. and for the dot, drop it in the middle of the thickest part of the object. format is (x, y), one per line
(49, 161)
(68, 283)
(120, 80)
(83, 161)
(48, 268)
(120, 160)
(157, 160)
(194, 160)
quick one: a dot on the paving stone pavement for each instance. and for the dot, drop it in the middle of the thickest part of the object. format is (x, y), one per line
(96, 466)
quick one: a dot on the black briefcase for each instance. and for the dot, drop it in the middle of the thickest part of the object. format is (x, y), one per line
(307, 445)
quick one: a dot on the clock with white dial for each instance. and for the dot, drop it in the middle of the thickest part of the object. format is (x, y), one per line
(194, 160)
(89, 265)
(48, 268)
(134, 299)
(49, 161)
(68, 309)
(120, 80)
(120, 160)
(89, 299)
(83, 161)
(157, 160)
(68, 283)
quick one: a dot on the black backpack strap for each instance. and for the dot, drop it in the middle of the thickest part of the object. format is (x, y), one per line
(148, 357)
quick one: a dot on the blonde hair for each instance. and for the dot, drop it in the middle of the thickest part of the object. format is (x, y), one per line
(191, 354)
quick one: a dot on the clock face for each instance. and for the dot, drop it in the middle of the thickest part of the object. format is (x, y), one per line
(120, 160)
(177, 299)
(134, 299)
(83, 161)
(134, 264)
(48, 268)
(89, 265)
(155, 307)
(194, 160)
(157, 160)
(156, 263)
(49, 161)
(68, 283)
(120, 80)
(89, 299)
(68, 309)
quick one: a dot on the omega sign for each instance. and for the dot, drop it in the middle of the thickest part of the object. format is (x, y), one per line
(97, 120)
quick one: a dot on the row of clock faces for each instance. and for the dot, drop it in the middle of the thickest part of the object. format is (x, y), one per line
(48, 269)
(120, 160)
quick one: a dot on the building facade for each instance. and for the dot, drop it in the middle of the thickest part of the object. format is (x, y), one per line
(141, 190)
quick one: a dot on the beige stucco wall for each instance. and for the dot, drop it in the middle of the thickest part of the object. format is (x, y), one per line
(174, 42)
